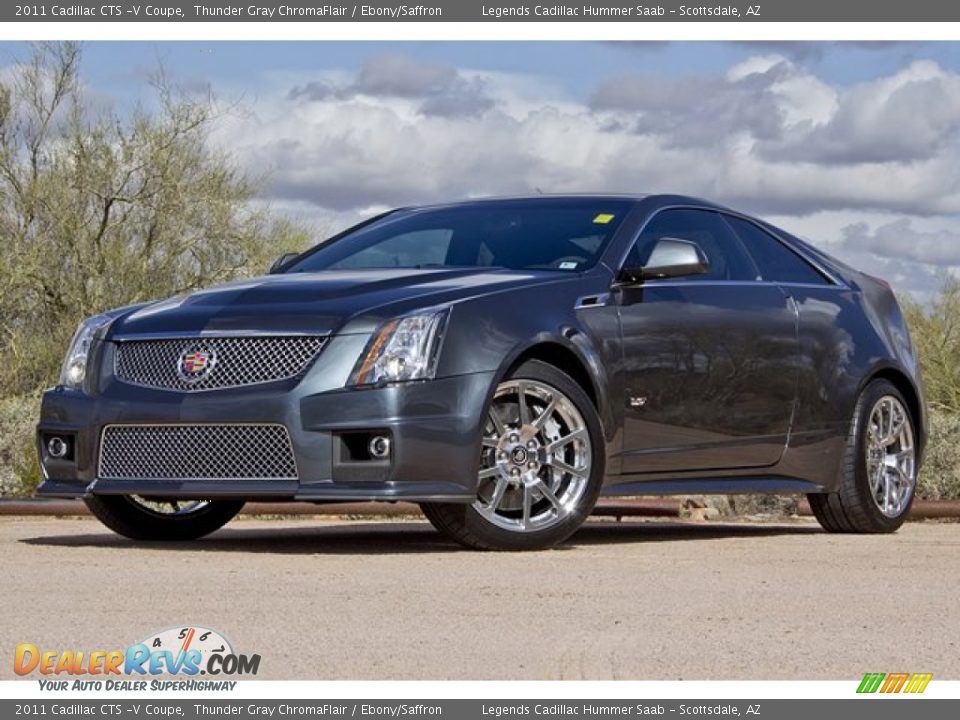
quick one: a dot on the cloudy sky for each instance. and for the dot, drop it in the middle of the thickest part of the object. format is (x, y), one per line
(854, 146)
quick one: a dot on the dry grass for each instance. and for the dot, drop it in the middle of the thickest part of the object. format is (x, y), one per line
(940, 475)
(19, 472)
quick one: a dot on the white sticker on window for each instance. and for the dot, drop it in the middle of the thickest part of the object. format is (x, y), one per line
(568, 265)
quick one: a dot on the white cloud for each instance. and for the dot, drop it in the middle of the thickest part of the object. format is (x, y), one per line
(899, 240)
(440, 89)
(912, 115)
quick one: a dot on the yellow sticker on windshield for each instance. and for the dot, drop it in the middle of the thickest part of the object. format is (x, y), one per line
(603, 218)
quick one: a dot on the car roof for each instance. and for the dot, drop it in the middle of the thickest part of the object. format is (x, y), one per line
(654, 200)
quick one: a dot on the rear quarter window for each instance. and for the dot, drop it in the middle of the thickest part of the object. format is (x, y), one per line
(776, 262)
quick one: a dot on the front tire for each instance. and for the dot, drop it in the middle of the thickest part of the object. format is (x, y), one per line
(879, 474)
(141, 518)
(541, 466)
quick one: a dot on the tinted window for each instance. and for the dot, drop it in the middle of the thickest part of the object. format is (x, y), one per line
(565, 235)
(423, 247)
(776, 261)
(728, 260)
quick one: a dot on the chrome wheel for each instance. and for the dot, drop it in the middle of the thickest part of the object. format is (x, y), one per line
(169, 508)
(536, 457)
(890, 456)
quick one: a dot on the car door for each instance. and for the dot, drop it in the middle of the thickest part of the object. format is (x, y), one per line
(826, 310)
(710, 360)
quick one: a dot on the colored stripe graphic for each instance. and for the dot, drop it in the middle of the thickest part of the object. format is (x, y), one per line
(894, 682)
(870, 683)
(918, 682)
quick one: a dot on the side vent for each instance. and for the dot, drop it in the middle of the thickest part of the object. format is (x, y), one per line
(589, 301)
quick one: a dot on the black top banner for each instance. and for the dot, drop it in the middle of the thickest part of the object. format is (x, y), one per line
(893, 11)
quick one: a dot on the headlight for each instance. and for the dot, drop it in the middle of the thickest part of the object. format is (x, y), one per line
(404, 348)
(75, 365)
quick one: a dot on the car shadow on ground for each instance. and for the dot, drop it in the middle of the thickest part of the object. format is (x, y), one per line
(413, 537)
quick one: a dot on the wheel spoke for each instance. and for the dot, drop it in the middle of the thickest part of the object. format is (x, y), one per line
(563, 467)
(545, 415)
(904, 462)
(489, 442)
(887, 491)
(527, 506)
(488, 473)
(903, 477)
(878, 475)
(548, 494)
(498, 425)
(896, 427)
(580, 434)
(498, 493)
(522, 404)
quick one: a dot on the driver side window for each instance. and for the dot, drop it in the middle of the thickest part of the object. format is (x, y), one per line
(726, 256)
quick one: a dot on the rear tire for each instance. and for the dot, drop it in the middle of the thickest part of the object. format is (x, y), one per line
(143, 519)
(879, 473)
(541, 466)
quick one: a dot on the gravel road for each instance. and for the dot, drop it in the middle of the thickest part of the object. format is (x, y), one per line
(319, 599)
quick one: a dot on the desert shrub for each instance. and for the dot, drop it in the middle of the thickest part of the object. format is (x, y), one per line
(940, 476)
(19, 472)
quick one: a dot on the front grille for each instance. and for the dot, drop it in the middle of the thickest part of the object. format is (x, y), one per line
(225, 362)
(196, 452)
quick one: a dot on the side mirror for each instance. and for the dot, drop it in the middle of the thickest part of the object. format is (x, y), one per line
(671, 257)
(280, 264)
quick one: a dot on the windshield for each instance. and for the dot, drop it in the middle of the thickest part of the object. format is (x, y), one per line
(566, 236)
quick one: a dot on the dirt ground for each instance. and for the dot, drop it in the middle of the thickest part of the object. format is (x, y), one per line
(321, 599)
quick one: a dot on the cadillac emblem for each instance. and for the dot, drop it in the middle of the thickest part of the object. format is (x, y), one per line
(195, 363)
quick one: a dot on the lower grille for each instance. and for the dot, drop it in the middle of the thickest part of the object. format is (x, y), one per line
(197, 452)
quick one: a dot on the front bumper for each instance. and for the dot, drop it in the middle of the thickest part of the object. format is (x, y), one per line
(434, 427)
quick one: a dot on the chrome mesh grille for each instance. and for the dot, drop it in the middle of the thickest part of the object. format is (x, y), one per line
(196, 452)
(234, 361)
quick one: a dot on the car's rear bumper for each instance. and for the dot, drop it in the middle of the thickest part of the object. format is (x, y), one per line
(434, 430)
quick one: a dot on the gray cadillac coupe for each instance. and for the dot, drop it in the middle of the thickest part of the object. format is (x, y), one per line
(503, 363)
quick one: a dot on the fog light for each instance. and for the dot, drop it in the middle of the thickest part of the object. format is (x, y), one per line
(57, 447)
(379, 447)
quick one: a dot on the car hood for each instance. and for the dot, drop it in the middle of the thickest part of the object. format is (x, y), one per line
(324, 302)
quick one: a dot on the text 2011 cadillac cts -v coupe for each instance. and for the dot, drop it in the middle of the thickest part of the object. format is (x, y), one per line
(503, 363)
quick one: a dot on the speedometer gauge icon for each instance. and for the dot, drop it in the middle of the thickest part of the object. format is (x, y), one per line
(183, 638)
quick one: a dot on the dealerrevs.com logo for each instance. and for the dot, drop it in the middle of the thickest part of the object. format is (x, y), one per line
(189, 651)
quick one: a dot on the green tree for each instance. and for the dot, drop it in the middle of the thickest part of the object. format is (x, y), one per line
(100, 210)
